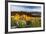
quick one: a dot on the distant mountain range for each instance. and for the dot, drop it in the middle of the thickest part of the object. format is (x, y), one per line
(27, 13)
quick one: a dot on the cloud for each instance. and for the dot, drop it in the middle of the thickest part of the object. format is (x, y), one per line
(25, 8)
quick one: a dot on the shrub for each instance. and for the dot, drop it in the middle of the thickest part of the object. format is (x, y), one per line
(21, 23)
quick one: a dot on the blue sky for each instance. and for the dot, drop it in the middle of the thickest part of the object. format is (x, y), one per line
(25, 8)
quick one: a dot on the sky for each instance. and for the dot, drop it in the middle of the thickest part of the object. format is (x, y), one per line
(25, 8)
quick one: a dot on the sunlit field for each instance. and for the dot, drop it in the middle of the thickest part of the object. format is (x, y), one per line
(25, 20)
